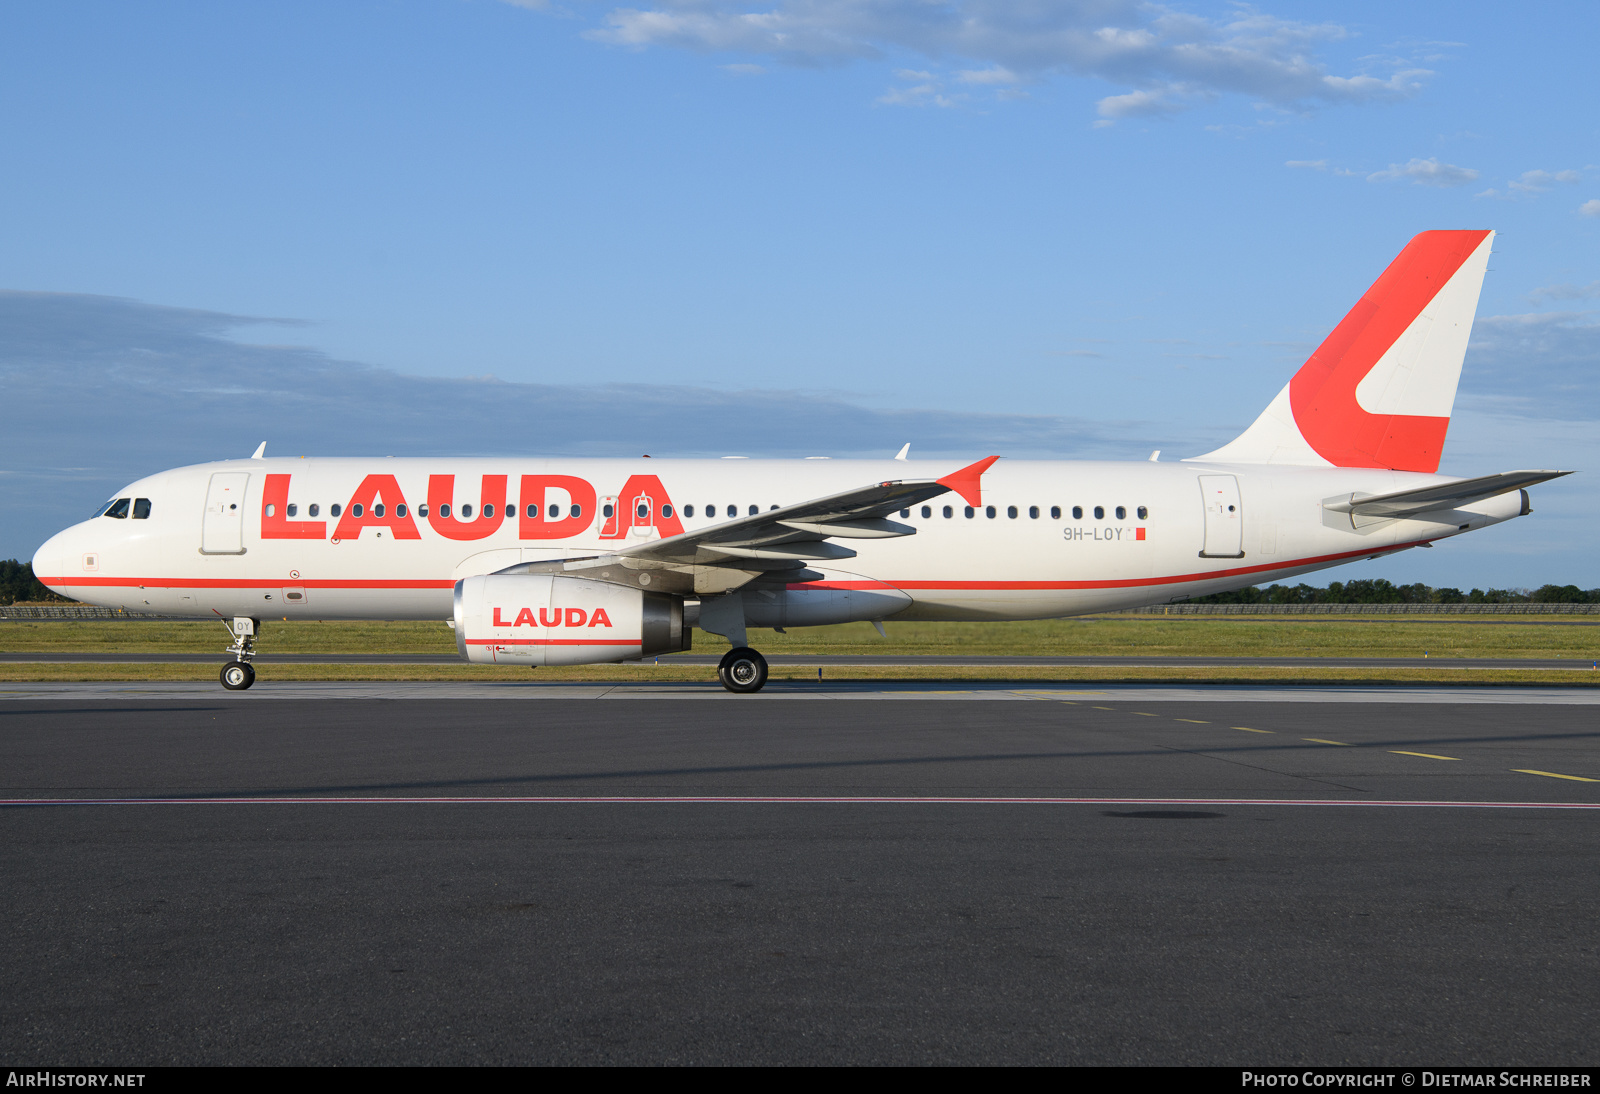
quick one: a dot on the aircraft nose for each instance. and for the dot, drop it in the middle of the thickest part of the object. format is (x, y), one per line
(52, 557)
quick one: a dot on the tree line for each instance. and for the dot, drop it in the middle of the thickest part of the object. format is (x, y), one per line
(1379, 591)
(18, 583)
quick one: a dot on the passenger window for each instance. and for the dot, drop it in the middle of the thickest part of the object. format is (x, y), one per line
(1033, 512)
(1077, 512)
(971, 512)
(949, 512)
(1055, 512)
(119, 509)
(666, 512)
(608, 511)
(313, 509)
(904, 513)
(444, 510)
(1011, 511)
(272, 510)
(292, 509)
(399, 510)
(989, 512)
(927, 511)
(488, 511)
(754, 509)
(335, 509)
(688, 510)
(377, 510)
(533, 512)
(422, 511)
(1099, 512)
(1122, 512)
(555, 511)
(642, 511)
(575, 511)
(466, 512)
(1144, 514)
(356, 509)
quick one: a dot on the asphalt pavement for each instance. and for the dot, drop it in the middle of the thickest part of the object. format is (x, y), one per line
(1106, 876)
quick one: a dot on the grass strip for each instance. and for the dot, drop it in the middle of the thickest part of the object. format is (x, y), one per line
(1191, 636)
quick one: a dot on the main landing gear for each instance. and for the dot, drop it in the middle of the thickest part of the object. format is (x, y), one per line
(239, 674)
(742, 670)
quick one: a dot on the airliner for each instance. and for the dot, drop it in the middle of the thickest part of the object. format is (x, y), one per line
(537, 561)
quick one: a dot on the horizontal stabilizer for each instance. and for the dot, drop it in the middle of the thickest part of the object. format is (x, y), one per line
(1430, 499)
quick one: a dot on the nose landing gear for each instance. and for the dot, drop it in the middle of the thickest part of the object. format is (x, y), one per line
(239, 674)
(742, 670)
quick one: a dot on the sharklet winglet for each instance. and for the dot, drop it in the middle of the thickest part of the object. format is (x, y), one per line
(968, 482)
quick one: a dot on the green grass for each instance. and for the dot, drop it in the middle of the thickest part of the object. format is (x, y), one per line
(1188, 636)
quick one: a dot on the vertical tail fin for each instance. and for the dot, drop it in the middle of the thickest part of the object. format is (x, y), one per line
(1379, 390)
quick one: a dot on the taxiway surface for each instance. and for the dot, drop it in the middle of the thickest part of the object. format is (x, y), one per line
(1114, 875)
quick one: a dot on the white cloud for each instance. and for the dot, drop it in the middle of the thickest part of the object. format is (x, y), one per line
(926, 92)
(1530, 183)
(1591, 291)
(1537, 182)
(995, 75)
(1171, 59)
(1143, 104)
(1314, 165)
(1428, 172)
(1590, 208)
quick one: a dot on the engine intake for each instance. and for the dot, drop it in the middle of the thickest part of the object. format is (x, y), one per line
(548, 619)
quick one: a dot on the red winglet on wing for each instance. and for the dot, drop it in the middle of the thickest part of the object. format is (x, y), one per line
(968, 482)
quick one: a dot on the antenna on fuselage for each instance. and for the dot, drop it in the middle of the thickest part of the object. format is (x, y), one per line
(904, 452)
(261, 451)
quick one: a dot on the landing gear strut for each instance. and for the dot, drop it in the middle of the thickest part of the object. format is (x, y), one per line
(742, 670)
(239, 674)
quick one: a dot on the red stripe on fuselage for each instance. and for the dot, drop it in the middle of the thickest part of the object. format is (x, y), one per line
(229, 583)
(1019, 586)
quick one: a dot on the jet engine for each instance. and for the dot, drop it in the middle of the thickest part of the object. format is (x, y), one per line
(550, 619)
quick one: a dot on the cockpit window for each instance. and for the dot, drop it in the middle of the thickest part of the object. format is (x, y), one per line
(141, 508)
(118, 509)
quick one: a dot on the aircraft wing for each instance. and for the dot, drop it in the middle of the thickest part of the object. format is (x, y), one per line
(1429, 499)
(803, 532)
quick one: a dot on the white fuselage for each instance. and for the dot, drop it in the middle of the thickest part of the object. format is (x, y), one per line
(255, 559)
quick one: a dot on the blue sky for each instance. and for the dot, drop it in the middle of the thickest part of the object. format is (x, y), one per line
(1048, 229)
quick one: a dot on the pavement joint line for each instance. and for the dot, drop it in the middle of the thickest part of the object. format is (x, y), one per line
(1247, 729)
(1144, 714)
(1196, 721)
(1553, 775)
(1424, 755)
(707, 799)
(1320, 741)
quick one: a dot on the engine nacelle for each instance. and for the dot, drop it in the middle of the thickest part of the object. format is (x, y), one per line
(550, 619)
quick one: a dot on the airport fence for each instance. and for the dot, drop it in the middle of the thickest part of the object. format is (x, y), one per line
(65, 612)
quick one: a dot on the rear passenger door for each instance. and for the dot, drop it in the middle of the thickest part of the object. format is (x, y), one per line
(1224, 517)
